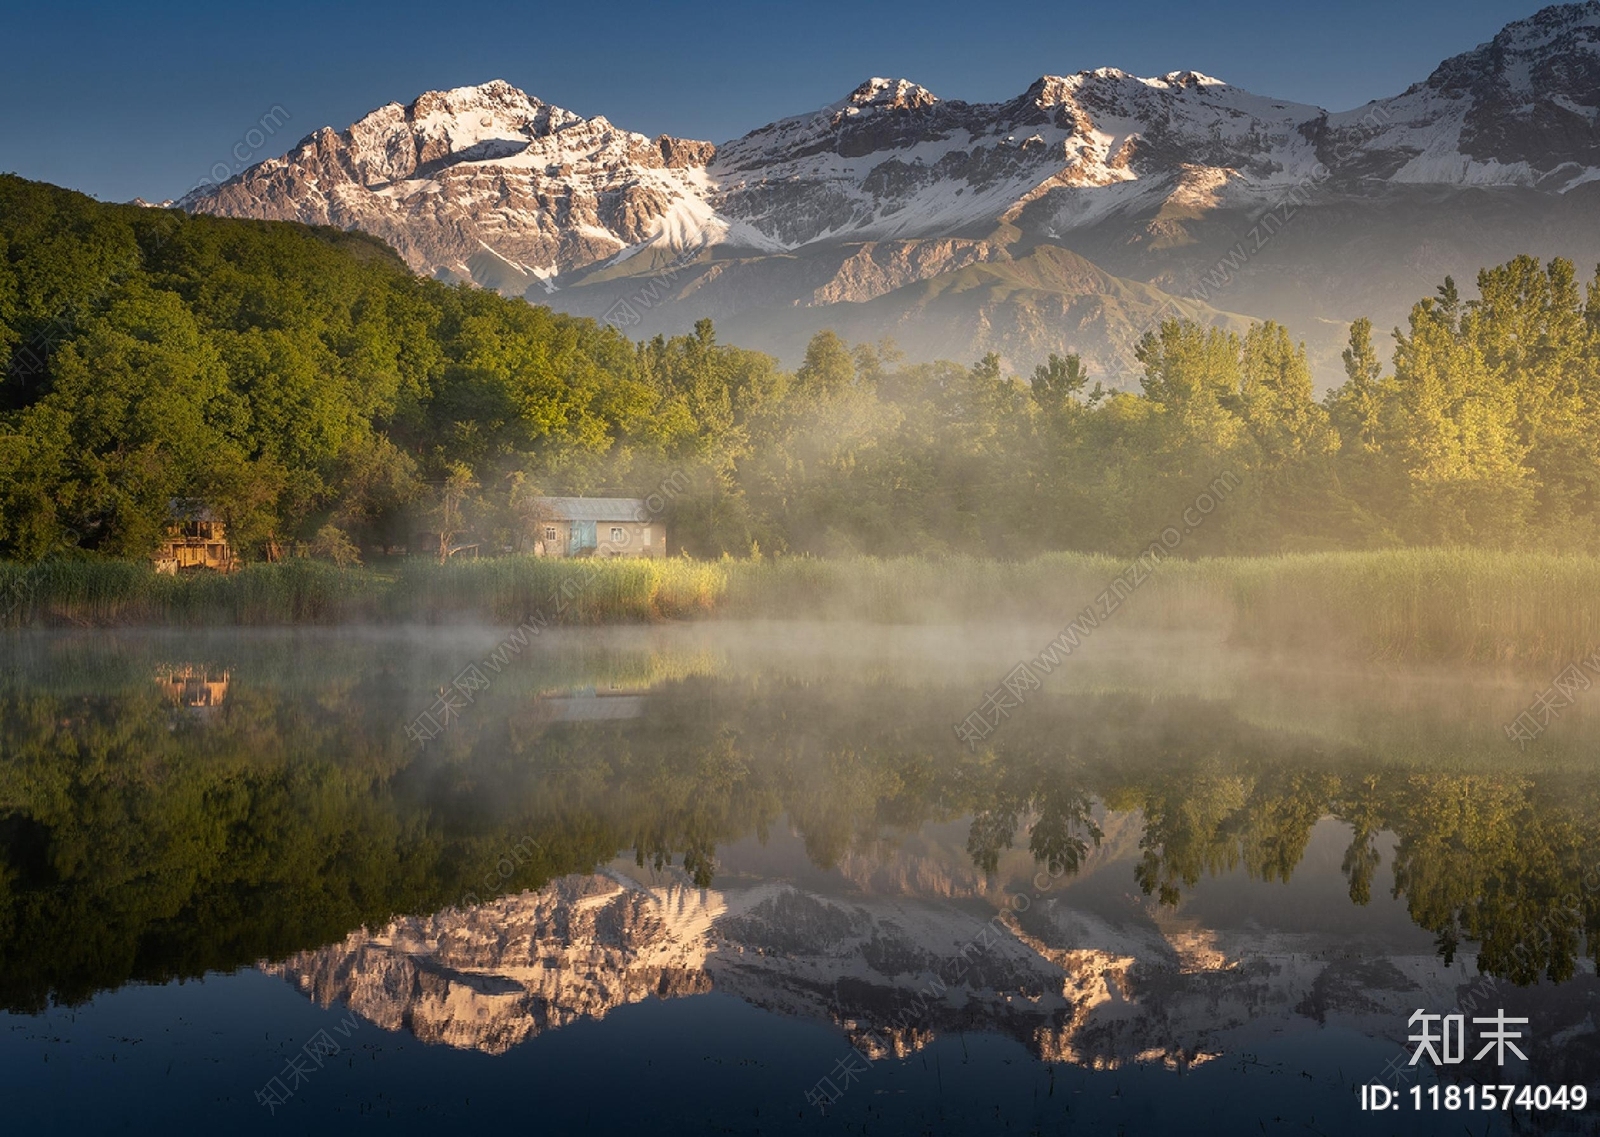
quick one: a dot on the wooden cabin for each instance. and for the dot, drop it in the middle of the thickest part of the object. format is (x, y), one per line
(597, 527)
(196, 539)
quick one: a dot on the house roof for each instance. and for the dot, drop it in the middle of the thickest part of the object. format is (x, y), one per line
(595, 508)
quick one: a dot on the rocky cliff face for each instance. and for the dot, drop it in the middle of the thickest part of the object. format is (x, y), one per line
(1519, 110)
(481, 183)
(1181, 184)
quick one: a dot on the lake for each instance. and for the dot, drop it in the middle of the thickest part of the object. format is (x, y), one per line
(749, 878)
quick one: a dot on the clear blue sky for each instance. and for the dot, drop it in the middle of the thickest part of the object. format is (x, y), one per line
(121, 99)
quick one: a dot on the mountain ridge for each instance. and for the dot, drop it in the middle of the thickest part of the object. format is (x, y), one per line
(1156, 180)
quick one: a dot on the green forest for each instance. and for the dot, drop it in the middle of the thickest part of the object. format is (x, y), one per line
(309, 388)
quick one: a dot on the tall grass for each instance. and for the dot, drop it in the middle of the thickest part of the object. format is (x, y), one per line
(1405, 604)
(511, 589)
(499, 590)
(912, 590)
(1415, 604)
(1433, 604)
(106, 593)
(1050, 589)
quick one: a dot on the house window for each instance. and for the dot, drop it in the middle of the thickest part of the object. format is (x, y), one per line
(616, 535)
(644, 536)
(549, 532)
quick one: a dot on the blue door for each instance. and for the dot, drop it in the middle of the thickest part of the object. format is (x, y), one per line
(582, 538)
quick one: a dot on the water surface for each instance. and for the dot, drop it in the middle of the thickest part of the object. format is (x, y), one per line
(745, 879)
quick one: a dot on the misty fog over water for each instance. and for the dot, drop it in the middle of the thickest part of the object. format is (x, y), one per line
(1173, 872)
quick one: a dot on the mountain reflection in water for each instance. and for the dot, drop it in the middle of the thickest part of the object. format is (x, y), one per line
(1166, 848)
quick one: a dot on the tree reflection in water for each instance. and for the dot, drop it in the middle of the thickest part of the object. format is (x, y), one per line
(139, 841)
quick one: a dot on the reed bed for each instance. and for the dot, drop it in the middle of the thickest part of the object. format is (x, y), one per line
(120, 593)
(498, 590)
(1405, 604)
(507, 590)
(1409, 604)
(1416, 604)
(912, 590)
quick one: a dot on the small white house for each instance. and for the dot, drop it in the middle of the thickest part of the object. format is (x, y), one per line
(597, 527)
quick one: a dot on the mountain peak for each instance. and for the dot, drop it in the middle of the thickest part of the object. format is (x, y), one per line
(1191, 79)
(1053, 90)
(1522, 108)
(495, 104)
(494, 93)
(895, 93)
(1558, 46)
(1548, 23)
(494, 88)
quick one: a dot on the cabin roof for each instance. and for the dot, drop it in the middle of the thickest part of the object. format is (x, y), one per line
(595, 508)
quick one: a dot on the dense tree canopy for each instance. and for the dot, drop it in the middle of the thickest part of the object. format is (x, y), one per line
(310, 389)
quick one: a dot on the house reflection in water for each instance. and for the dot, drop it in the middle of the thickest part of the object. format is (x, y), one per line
(197, 687)
(587, 704)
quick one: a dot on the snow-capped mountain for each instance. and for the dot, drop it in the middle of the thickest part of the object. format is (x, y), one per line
(851, 215)
(1520, 110)
(479, 182)
(893, 161)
